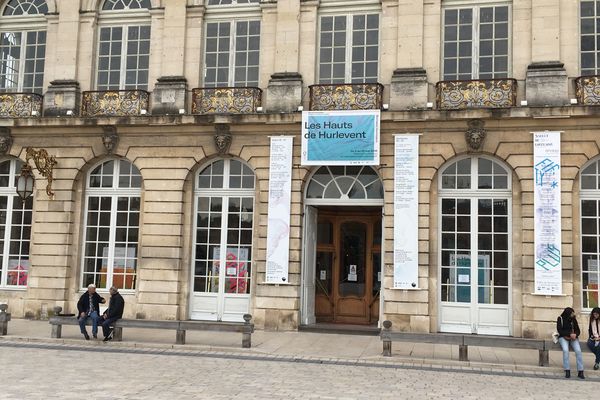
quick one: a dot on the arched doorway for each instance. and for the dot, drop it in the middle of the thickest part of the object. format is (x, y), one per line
(341, 269)
(475, 247)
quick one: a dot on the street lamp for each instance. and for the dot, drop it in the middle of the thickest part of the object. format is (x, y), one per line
(25, 183)
(44, 163)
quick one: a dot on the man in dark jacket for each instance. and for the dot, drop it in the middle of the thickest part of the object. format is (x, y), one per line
(89, 307)
(113, 313)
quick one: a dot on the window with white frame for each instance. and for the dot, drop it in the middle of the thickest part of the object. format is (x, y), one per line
(349, 48)
(224, 199)
(23, 46)
(123, 47)
(476, 42)
(590, 37)
(15, 228)
(590, 233)
(231, 53)
(111, 228)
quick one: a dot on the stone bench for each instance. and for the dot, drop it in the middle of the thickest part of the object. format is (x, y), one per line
(463, 342)
(4, 319)
(246, 328)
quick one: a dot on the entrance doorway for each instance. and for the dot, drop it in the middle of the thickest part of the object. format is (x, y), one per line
(348, 267)
(341, 261)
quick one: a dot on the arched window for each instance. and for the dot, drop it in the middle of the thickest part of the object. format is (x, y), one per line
(232, 44)
(15, 228)
(345, 183)
(124, 45)
(475, 255)
(222, 256)
(112, 202)
(590, 233)
(23, 46)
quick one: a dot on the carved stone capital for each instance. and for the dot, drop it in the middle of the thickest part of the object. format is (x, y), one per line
(475, 134)
(110, 138)
(6, 140)
(222, 138)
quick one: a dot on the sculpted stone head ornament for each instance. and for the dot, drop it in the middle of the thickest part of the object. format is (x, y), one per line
(110, 138)
(475, 134)
(6, 140)
(222, 138)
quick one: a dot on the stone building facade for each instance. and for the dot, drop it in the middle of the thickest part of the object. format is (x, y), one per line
(144, 192)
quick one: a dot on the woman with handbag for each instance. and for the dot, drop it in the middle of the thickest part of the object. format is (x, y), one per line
(593, 341)
(568, 329)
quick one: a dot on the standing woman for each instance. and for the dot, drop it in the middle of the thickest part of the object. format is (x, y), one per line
(568, 331)
(594, 335)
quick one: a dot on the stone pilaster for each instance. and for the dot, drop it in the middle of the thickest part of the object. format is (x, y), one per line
(284, 93)
(62, 96)
(408, 89)
(547, 84)
(169, 95)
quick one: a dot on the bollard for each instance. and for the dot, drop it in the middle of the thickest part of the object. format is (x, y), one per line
(386, 337)
(56, 329)
(4, 318)
(544, 358)
(118, 334)
(463, 352)
(247, 334)
(180, 336)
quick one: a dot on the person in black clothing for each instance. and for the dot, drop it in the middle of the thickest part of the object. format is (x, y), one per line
(113, 313)
(89, 307)
(594, 335)
(568, 331)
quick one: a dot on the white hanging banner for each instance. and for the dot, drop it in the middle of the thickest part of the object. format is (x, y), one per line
(406, 211)
(278, 218)
(546, 203)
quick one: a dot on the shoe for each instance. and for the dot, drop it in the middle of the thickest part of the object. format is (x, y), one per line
(106, 339)
(95, 336)
(580, 375)
(567, 373)
(86, 336)
(596, 366)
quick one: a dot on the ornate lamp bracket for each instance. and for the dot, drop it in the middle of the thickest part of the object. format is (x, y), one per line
(44, 163)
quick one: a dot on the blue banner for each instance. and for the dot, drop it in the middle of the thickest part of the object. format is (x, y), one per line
(340, 137)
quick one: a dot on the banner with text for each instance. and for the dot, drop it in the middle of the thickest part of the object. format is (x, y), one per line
(406, 211)
(340, 137)
(278, 213)
(546, 203)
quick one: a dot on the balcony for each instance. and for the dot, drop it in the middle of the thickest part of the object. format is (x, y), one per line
(355, 96)
(20, 105)
(114, 103)
(588, 90)
(226, 100)
(483, 93)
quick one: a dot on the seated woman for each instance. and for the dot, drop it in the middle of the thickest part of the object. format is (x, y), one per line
(594, 335)
(568, 331)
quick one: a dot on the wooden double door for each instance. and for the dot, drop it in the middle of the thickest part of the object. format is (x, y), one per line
(348, 267)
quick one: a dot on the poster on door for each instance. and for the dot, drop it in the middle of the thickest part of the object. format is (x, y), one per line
(406, 211)
(236, 270)
(278, 213)
(547, 215)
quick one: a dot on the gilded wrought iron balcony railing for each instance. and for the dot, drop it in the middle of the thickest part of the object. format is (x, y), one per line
(351, 96)
(481, 93)
(114, 103)
(226, 100)
(588, 90)
(19, 105)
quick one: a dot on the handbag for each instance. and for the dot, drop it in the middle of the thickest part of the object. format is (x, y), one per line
(555, 337)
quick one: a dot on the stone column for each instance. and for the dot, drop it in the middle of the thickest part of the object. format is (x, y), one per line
(546, 81)
(284, 92)
(174, 27)
(408, 88)
(169, 95)
(62, 98)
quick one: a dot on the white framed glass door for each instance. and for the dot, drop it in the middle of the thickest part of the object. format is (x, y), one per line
(475, 271)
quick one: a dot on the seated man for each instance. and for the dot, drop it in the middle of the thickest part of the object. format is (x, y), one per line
(89, 307)
(113, 313)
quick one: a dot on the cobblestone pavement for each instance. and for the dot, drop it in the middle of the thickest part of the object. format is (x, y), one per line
(46, 371)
